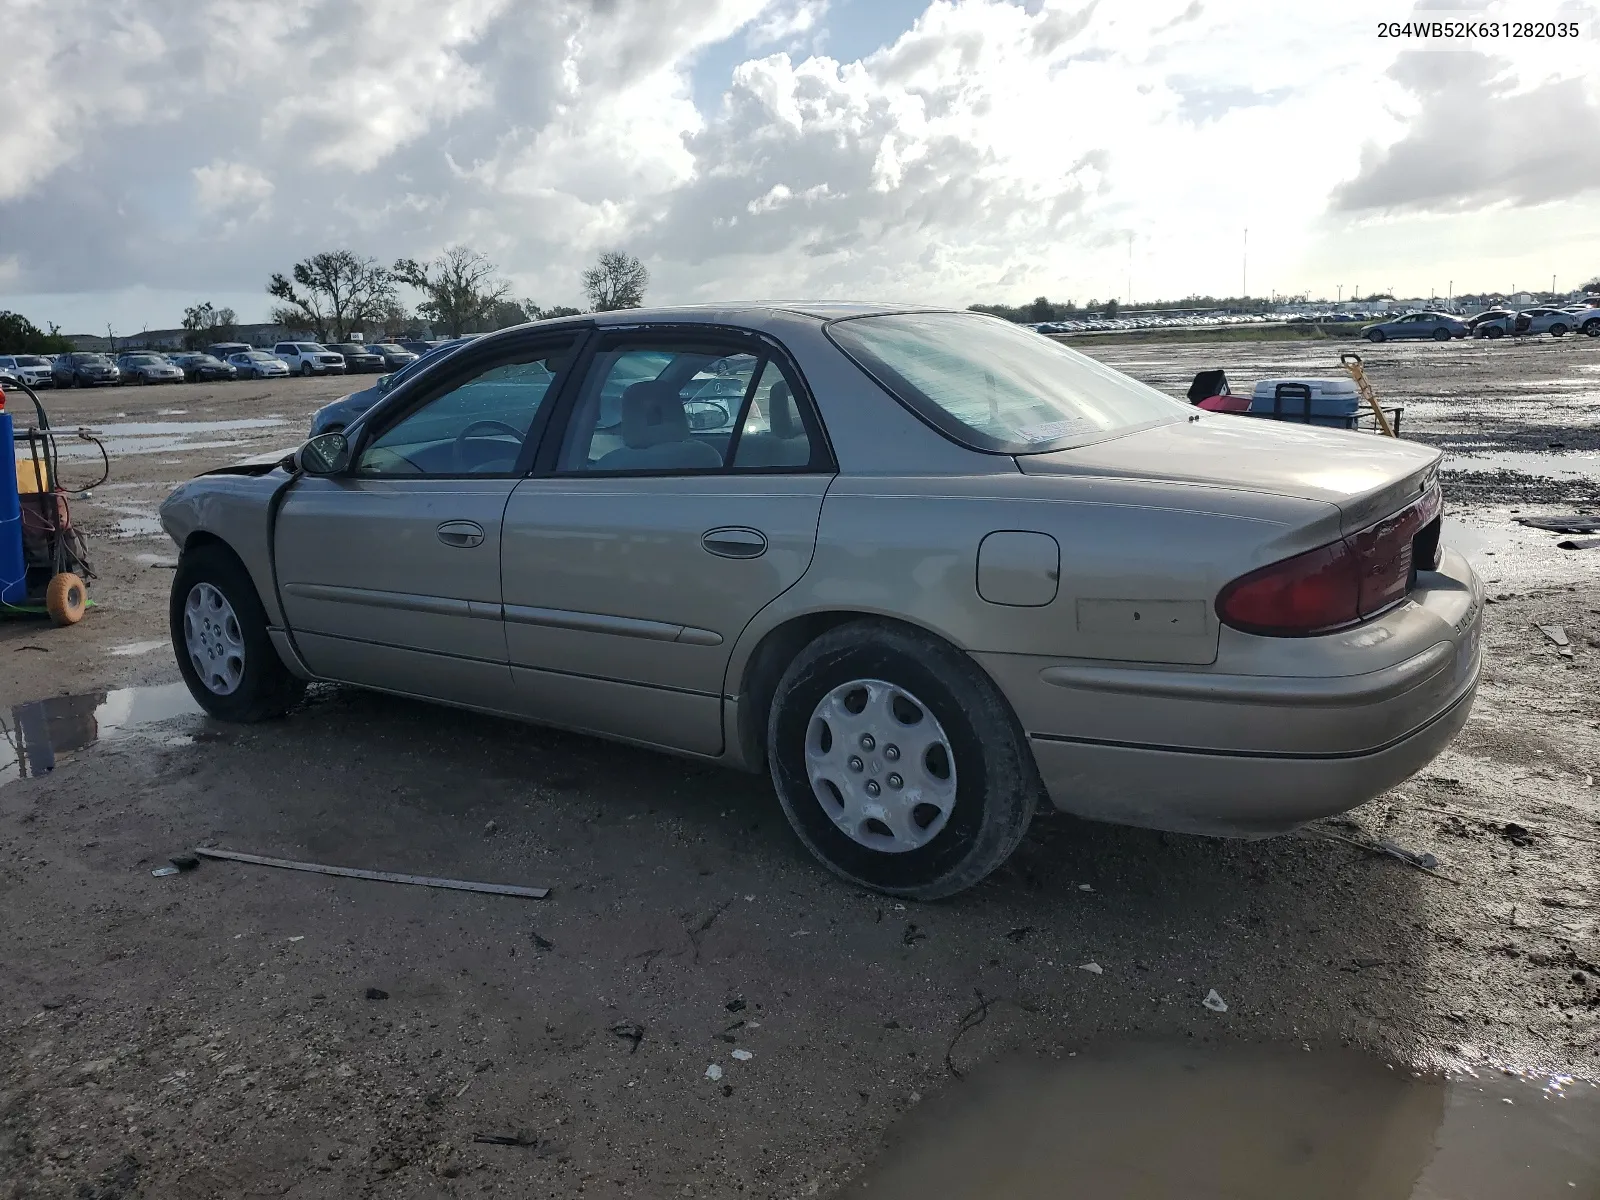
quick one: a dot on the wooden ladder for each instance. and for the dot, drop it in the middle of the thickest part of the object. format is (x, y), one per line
(1351, 362)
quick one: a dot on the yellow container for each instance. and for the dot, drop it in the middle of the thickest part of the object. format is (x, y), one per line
(31, 475)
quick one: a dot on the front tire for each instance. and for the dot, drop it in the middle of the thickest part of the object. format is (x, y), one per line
(305, 370)
(1441, 335)
(1493, 332)
(1375, 335)
(1592, 326)
(898, 762)
(219, 636)
(1558, 330)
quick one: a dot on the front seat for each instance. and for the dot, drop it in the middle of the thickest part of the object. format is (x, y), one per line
(655, 434)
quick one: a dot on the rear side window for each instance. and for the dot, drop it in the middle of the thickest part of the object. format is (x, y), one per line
(994, 386)
(675, 408)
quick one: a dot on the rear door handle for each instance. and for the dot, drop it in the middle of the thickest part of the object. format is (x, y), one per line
(735, 541)
(461, 534)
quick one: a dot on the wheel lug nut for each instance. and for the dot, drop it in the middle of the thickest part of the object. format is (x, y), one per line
(872, 787)
(868, 741)
(895, 781)
(855, 763)
(891, 752)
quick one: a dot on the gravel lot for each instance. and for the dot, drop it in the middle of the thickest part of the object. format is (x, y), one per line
(241, 1030)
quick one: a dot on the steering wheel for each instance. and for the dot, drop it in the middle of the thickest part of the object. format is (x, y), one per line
(698, 410)
(458, 448)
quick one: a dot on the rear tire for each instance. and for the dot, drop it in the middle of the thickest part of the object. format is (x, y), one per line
(1592, 326)
(1441, 335)
(965, 761)
(261, 687)
(1493, 332)
(1558, 330)
(1374, 335)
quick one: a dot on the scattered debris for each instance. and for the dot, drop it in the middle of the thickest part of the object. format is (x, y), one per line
(163, 872)
(713, 1072)
(1086, 887)
(40, 649)
(969, 1021)
(184, 862)
(1563, 523)
(521, 1137)
(1587, 543)
(1093, 968)
(630, 1031)
(699, 931)
(377, 994)
(1423, 861)
(1517, 835)
(540, 941)
(298, 938)
(735, 1005)
(912, 936)
(490, 829)
(743, 1055)
(1017, 934)
(1215, 1002)
(1414, 857)
(1556, 633)
(457, 885)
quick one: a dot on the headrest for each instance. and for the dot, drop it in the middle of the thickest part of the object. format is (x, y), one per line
(652, 413)
(782, 416)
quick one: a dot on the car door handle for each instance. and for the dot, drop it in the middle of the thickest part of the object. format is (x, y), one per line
(735, 541)
(463, 534)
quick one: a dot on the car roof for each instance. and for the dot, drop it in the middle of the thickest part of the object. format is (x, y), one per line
(734, 312)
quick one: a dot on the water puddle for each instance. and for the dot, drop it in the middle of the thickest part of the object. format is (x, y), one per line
(41, 729)
(1511, 557)
(135, 649)
(122, 438)
(138, 527)
(1244, 1123)
(1552, 464)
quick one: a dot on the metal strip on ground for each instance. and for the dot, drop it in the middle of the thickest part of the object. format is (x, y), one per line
(455, 885)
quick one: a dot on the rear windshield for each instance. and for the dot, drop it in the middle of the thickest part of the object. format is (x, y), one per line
(998, 387)
(30, 360)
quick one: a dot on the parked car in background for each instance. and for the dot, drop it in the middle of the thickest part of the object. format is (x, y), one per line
(1554, 321)
(226, 350)
(201, 368)
(310, 358)
(142, 366)
(357, 358)
(857, 590)
(331, 418)
(1441, 327)
(31, 369)
(84, 369)
(1587, 320)
(419, 346)
(394, 356)
(258, 364)
(1493, 323)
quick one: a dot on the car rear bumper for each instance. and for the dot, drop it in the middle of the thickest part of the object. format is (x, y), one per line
(1337, 721)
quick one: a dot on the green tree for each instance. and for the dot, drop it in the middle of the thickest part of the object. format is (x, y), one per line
(331, 293)
(18, 335)
(1041, 310)
(617, 280)
(205, 323)
(461, 291)
(1112, 308)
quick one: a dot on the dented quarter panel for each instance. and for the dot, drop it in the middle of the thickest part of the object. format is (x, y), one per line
(237, 509)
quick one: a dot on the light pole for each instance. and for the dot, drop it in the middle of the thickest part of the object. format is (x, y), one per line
(1130, 268)
(1340, 300)
(1244, 265)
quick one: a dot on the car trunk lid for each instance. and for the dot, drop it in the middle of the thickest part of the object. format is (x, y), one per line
(1366, 476)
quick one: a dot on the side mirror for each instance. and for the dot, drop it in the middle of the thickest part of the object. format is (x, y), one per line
(325, 454)
(385, 382)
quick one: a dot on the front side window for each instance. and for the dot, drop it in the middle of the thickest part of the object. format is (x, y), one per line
(993, 386)
(475, 428)
(684, 408)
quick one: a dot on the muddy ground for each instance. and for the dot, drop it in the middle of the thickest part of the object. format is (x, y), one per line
(246, 1031)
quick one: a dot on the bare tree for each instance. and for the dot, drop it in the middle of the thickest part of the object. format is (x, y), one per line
(617, 280)
(461, 289)
(205, 323)
(331, 293)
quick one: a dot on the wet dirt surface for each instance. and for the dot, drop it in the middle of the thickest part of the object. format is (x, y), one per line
(212, 1033)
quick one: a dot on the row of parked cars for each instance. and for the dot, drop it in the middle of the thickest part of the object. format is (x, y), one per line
(1492, 323)
(223, 360)
(1100, 324)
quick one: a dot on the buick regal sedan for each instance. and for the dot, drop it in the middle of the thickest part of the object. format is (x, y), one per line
(1441, 327)
(926, 569)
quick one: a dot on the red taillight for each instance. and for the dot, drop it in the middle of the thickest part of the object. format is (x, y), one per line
(1337, 585)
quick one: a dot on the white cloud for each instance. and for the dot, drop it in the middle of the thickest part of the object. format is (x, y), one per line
(787, 22)
(222, 187)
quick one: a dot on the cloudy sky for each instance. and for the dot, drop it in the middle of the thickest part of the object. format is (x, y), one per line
(158, 152)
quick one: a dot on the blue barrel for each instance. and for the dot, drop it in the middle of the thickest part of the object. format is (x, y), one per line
(13, 573)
